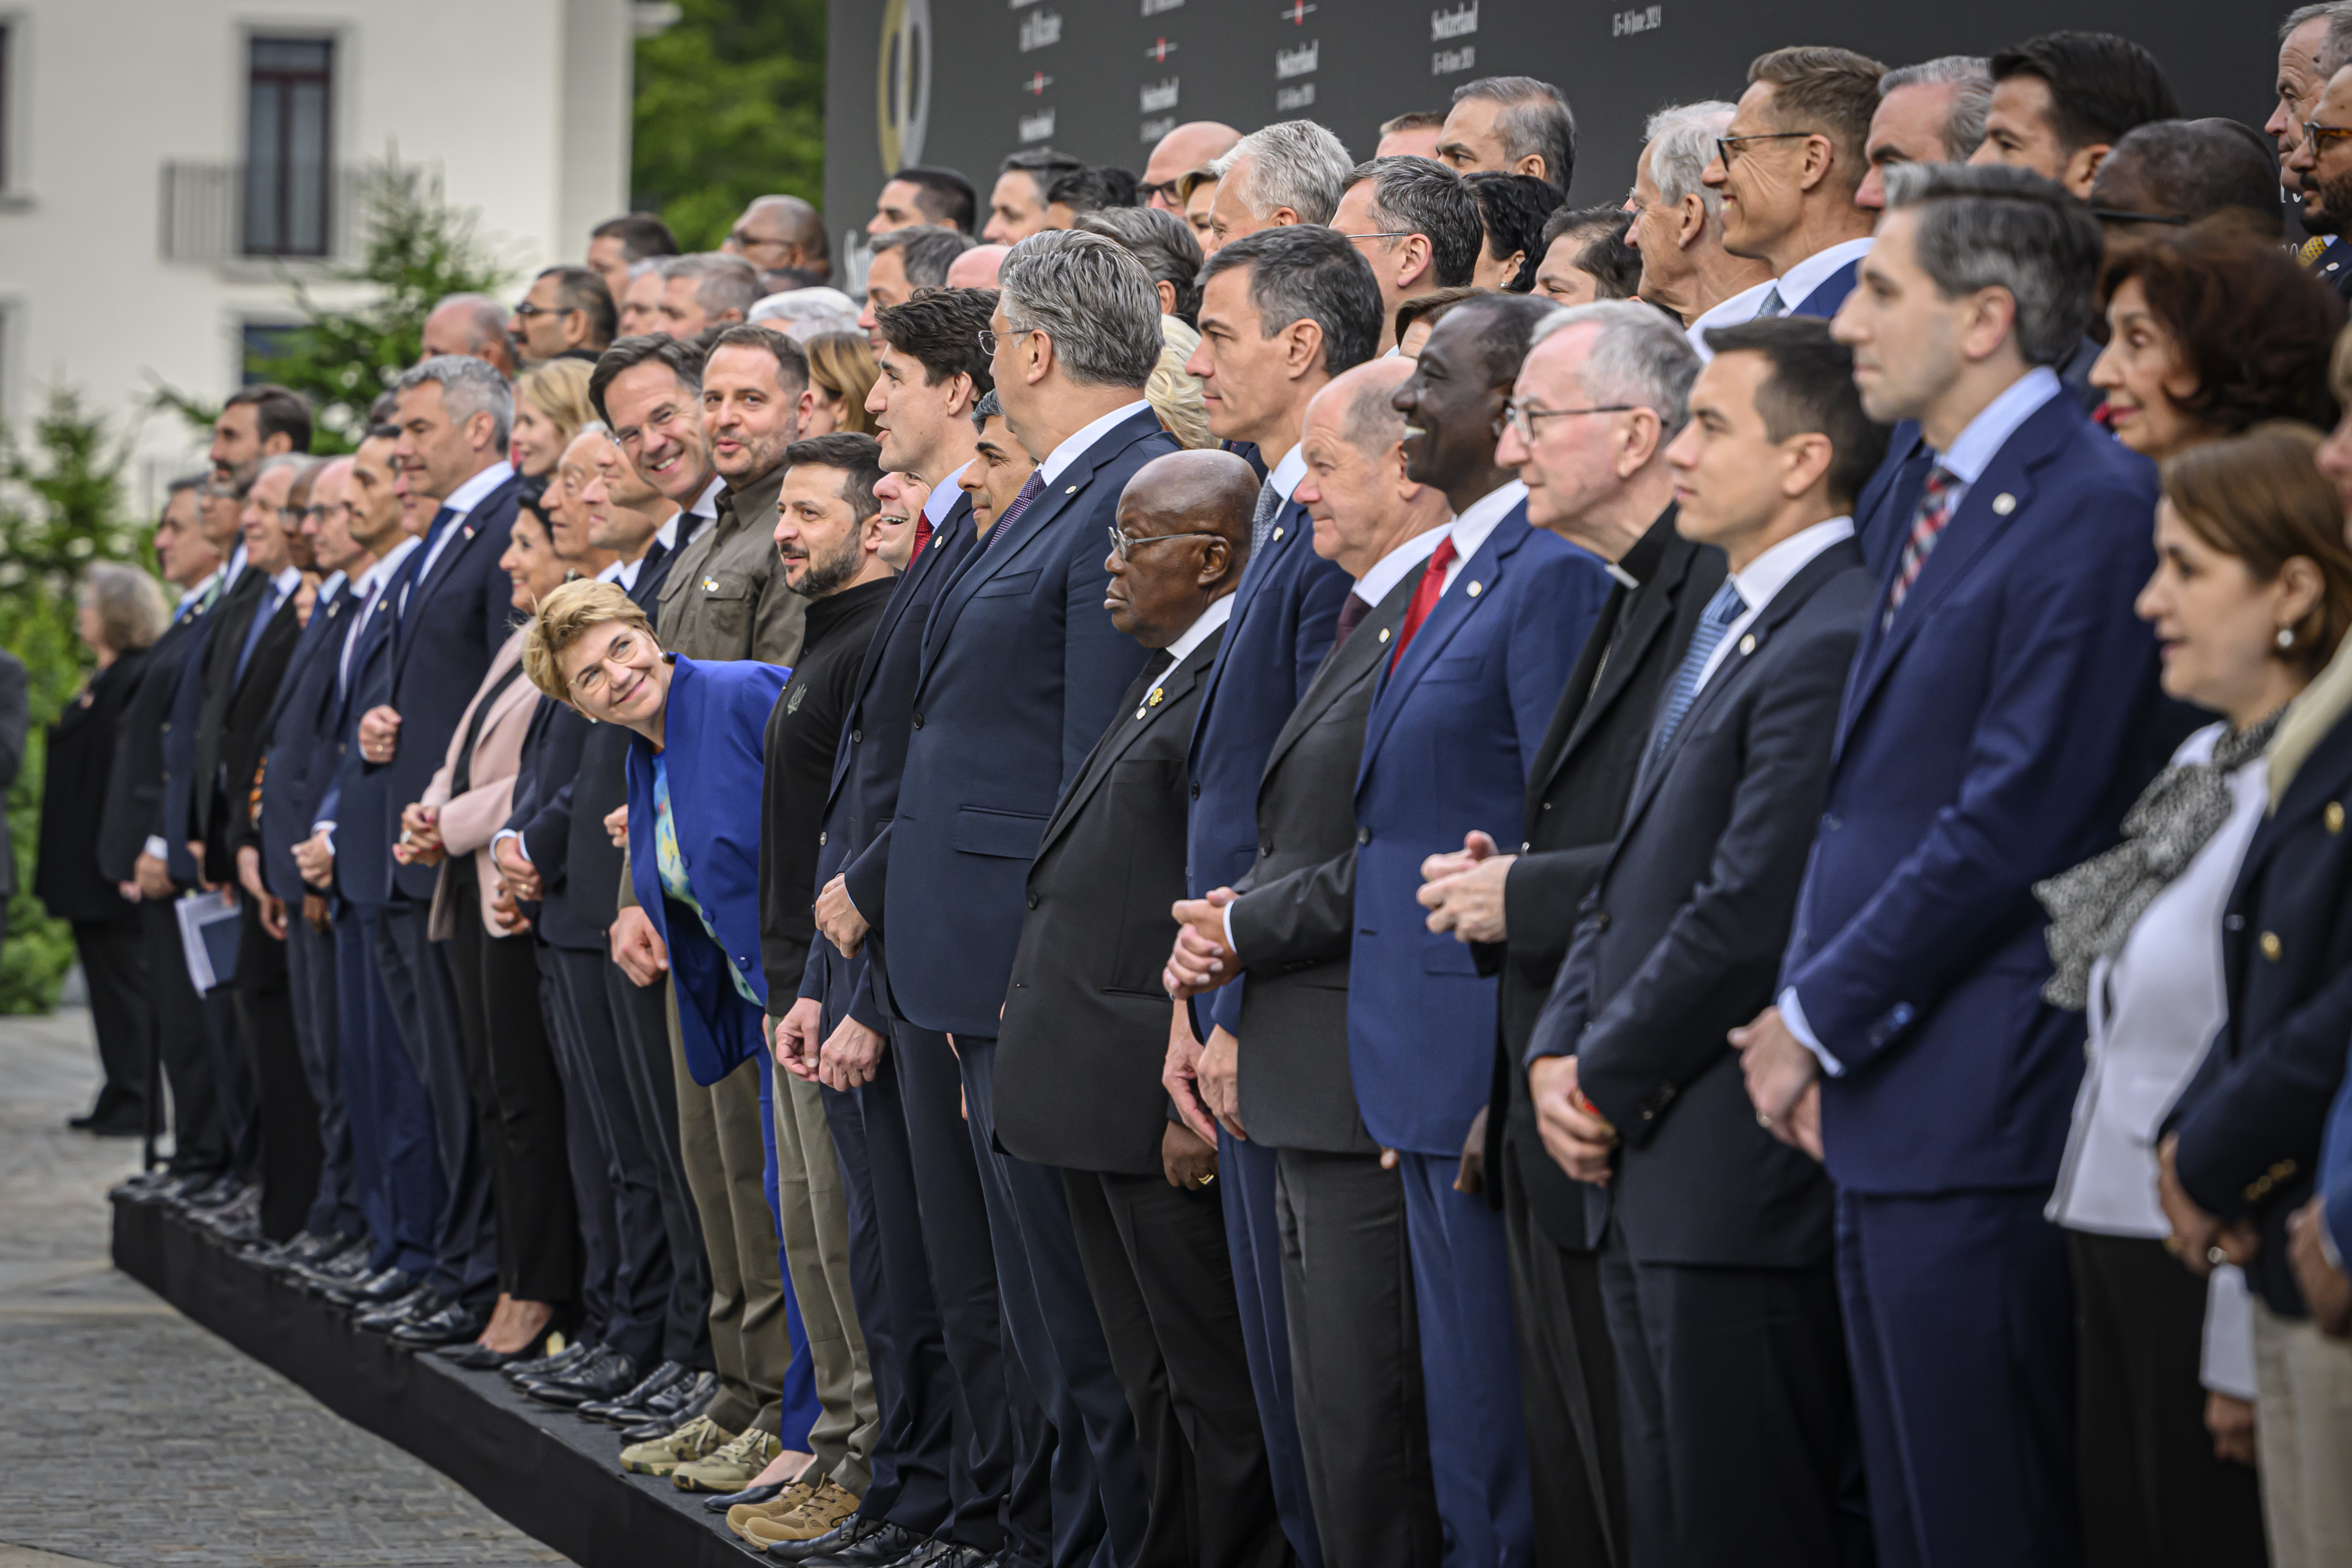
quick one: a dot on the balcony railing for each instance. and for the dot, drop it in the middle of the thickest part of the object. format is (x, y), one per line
(228, 212)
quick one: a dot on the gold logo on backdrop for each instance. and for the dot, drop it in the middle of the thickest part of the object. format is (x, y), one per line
(902, 86)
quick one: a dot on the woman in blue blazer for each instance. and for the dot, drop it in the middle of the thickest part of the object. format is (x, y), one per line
(695, 768)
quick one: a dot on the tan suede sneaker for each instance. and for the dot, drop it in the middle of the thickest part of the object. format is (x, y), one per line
(732, 1468)
(821, 1515)
(698, 1438)
(784, 1504)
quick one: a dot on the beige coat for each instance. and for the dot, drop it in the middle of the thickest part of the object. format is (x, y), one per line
(469, 822)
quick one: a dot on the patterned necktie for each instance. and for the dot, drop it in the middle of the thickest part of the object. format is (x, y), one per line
(1773, 305)
(1726, 607)
(1351, 615)
(922, 538)
(2313, 249)
(1031, 488)
(1928, 522)
(1269, 503)
(1424, 595)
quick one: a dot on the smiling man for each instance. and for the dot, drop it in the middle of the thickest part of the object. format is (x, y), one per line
(2060, 102)
(1787, 171)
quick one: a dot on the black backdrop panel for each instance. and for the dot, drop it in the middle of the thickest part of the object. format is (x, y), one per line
(964, 82)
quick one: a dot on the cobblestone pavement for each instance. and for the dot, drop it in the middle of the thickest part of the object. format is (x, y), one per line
(134, 1436)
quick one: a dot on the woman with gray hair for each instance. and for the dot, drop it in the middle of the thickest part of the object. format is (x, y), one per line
(121, 614)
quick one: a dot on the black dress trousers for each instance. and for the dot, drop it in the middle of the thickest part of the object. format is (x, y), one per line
(286, 1119)
(113, 954)
(199, 1135)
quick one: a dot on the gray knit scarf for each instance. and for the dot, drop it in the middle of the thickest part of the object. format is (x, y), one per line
(2093, 906)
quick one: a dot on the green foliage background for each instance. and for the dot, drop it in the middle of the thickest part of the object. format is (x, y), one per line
(729, 105)
(61, 508)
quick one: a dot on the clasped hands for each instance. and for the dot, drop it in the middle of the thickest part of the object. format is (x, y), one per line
(1463, 892)
(846, 1059)
(419, 843)
(2202, 1241)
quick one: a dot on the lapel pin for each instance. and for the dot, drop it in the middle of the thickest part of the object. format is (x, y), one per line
(1748, 643)
(469, 530)
(1476, 588)
(1071, 491)
(1157, 693)
(1278, 533)
(2004, 504)
(1384, 634)
(710, 584)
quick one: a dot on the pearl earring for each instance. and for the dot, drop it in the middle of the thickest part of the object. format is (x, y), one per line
(2286, 637)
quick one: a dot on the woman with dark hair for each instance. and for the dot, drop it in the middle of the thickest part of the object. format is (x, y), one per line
(1583, 256)
(2238, 1151)
(2211, 331)
(1513, 208)
(121, 614)
(2251, 595)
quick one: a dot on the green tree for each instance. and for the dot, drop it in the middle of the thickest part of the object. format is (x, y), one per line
(60, 508)
(729, 105)
(419, 250)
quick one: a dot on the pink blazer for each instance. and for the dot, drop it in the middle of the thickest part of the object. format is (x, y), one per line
(471, 821)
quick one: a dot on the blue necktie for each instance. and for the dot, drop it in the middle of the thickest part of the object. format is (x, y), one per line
(1726, 607)
(263, 614)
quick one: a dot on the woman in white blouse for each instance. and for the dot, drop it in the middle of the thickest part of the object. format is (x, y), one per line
(2248, 606)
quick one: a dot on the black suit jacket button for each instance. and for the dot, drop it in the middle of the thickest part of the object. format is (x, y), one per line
(1363, 836)
(1196, 789)
(820, 840)
(919, 720)
(856, 736)
(1829, 822)
(1033, 900)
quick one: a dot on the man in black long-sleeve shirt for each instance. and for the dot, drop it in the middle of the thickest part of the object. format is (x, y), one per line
(829, 537)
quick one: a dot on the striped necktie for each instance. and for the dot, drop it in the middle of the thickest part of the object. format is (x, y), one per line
(1269, 503)
(1927, 523)
(1726, 607)
(1031, 488)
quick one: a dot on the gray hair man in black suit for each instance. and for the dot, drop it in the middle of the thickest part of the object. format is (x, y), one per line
(1716, 1267)
(1598, 478)
(1086, 1019)
(1355, 1343)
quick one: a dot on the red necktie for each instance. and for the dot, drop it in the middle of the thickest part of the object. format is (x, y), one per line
(922, 537)
(1425, 596)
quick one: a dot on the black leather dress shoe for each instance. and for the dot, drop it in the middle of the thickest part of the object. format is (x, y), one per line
(346, 1268)
(672, 1408)
(221, 1190)
(371, 1291)
(623, 1408)
(452, 1323)
(749, 1496)
(421, 1302)
(859, 1543)
(146, 1186)
(554, 1365)
(605, 1372)
(237, 1224)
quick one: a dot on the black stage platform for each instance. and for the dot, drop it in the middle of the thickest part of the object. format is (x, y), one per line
(550, 1473)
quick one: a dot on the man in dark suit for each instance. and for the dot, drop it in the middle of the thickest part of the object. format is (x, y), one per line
(2322, 171)
(1601, 480)
(1497, 618)
(1353, 1346)
(1022, 667)
(295, 749)
(1716, 1261)
(1284, 310)
(244, 665)
(954, 1405)
(134, 853)
(1787, 169)
(1990, 736)
(1077, 1060)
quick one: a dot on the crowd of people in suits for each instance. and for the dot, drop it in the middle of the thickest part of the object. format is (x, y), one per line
(1702, 916)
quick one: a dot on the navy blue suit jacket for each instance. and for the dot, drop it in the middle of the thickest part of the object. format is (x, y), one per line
(866, 771)
(541, 811)
(1285, 612)
(453, 624)
(1829, 293)
(1454, 732)
(179, 821)
(1988, 739)
(297, 745)
(1021, 671)
(355, 803)
(713, 730)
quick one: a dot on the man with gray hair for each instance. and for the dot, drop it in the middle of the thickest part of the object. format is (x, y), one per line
(2314, 42)
(707, 290)
(1678, 223)
(470, 324)
(1600, 480)
(1514, 124)
(1933, 112)
(1022, 671)
(1163, 242)
(779, 232)
(1417, 223)
(449, 617)
(1293, 171)
(805, 313)
(904, 260)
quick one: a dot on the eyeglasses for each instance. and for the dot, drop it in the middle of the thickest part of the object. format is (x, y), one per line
(1121, 543)
(987, 339)
(2118, 215)
(528, 310)
(1524, 420)
(1166, 190)
(1728, 147)
(2319, 135)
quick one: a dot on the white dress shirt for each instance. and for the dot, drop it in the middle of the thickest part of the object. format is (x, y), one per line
(705, 506)
(1731, 312)
(1761, 580)
(1389, 571)
(460, 503)
(1057, 461)
(369, 584)
(1204, 627)
(944, 496)
(1470, 531)
(1798, 283)
(1285, 476)
(1973, 450)
(2155, 1006)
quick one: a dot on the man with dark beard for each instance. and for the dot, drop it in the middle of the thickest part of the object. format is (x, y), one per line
(829, 540)
(2321, 167)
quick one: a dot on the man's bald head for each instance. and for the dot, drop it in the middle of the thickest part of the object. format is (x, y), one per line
(1356, 407)
(473, 325)
(977, 268)
(1206, 489)
(1355, 487)
(1184, 535)
(1192, 145)
(2189, 169)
